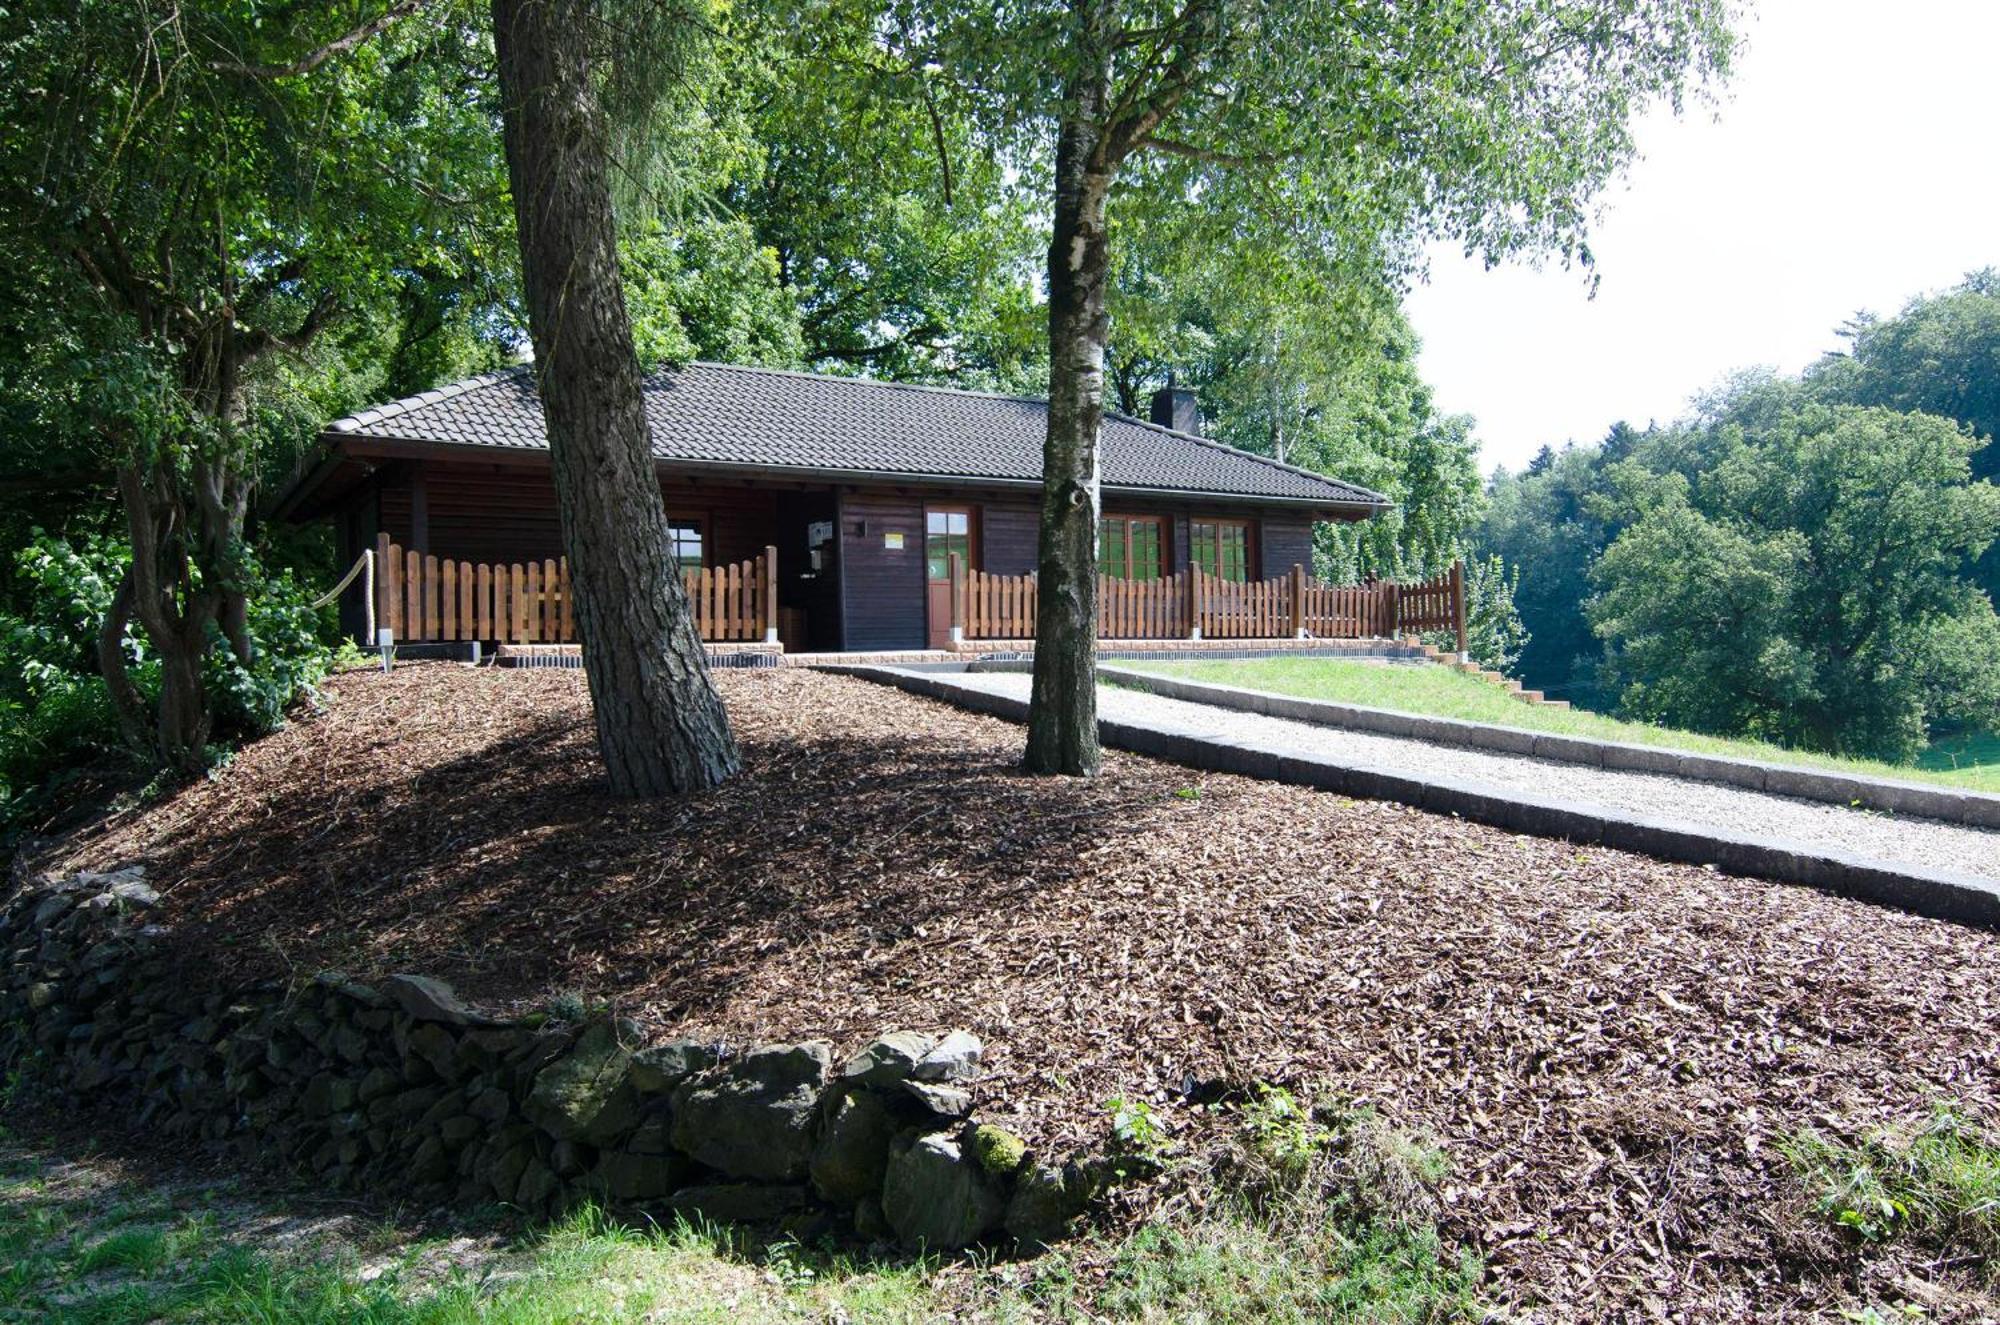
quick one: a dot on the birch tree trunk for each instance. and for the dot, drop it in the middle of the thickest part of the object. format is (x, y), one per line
(1062, 714)
(661, 727)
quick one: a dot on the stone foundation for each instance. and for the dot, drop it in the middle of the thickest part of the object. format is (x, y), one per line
(402, 1087)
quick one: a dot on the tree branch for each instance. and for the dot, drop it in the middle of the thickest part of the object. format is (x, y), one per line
(1189, 150)
(1201, 27)
(937, 136)
(313, 59)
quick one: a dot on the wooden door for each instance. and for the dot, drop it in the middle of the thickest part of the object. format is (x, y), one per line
(947, 529)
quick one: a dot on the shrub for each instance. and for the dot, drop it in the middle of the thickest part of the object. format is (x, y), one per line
(57, 725)
(1937, 1183)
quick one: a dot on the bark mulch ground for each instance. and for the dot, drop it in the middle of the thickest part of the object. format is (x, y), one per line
(1610, 1048)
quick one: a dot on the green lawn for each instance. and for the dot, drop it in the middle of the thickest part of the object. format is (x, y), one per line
(89, 1244)
(1971, 764)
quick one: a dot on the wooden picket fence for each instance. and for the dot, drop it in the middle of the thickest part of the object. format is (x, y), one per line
(423, 599)
(1285, 607)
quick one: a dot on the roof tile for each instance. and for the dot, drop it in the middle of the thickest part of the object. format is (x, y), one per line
(769, 418)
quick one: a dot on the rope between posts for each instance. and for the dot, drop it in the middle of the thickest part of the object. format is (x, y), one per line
(365, 563)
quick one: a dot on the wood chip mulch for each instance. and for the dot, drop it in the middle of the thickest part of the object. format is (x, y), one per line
(1609, 1047)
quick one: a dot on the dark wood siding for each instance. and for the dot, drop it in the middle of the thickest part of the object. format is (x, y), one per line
(869, 597)
(881, 588)
(1010, 538)
(1286, 542)
(476, 512)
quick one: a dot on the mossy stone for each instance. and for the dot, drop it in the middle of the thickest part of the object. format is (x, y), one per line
(998, 1150)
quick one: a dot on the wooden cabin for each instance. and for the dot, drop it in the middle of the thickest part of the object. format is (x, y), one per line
(869, 496)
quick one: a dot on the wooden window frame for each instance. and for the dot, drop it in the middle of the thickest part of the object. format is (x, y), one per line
(970, 510)
(1218, 523)
(702, 531)
(1163, 542)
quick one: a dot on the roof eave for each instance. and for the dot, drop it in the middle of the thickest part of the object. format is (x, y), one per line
(1363, 505)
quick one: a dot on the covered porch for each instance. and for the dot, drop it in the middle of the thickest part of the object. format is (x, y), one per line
(418, 598)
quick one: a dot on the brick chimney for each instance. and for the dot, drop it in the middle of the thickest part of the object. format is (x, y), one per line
(1174, 407)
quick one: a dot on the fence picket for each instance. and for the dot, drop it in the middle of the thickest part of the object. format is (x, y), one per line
(423, 599)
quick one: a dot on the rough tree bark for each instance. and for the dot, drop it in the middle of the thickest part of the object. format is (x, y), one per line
(1062, 714)
(661, 728)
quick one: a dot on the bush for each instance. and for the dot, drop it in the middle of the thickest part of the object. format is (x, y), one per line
(55, 716)
(57, 725)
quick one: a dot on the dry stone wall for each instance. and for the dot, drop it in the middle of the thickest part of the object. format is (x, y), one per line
(401, 1086)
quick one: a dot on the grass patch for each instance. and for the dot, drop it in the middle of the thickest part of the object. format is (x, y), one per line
(1273, 1246)
(1324, 1214)
(1937, 1184)
(1969, 763)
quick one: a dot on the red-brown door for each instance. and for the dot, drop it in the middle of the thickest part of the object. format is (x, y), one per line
(947, 529)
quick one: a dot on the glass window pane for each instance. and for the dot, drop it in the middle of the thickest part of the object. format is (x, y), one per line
(684, 536)
(1235, 552)
(946, 532)
(1111, 547)
(1201, 545)
(1145, 549)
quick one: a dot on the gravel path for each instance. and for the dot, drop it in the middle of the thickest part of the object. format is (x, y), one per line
(1747, 813)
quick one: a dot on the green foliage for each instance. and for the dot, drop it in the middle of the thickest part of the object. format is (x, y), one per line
(1322, 375)
(1230, 1267)
(1940, 355)
(707, 291)
(56, 720)
(70, 1257)
(1937, 1184)
(1805, 587)
(909, 243)
(1136, 1129)
(1800, 562)
(1494, 633)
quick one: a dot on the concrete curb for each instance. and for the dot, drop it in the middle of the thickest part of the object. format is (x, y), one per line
(1942, 894)
(1970, 808)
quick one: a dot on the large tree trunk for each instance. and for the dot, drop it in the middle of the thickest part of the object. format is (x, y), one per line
(1062, 712)
(173, 612)
(660, 725)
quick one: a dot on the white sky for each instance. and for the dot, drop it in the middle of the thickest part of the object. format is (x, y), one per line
(1854, 162)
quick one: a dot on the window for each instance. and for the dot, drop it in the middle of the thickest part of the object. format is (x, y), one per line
(684, 537)
(1220, 547)
(946, 532)
(1130, 547)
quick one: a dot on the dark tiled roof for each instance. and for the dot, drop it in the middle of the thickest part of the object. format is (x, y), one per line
(761, 418)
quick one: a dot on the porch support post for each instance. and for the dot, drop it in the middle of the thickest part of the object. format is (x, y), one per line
(1298, 601)
(770, 608)
(420, 510)
(955, 568)
(1459, 607)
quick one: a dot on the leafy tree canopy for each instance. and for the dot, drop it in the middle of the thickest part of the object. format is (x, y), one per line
(1804, 587)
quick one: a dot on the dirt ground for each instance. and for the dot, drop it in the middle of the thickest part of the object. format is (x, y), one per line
(1609, 1047)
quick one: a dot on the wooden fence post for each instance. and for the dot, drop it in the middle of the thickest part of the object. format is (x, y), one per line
(1194, 602)
(770, 595)
(1298, 601)
(1458, 605)
(388, 606)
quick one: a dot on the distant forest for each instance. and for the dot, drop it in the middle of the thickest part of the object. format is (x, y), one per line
(1809, 560)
